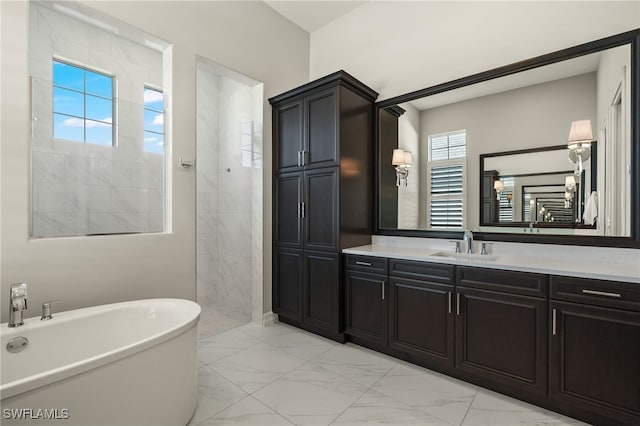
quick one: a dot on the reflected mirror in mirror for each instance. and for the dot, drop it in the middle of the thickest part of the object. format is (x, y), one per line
(448, 134)
(539, 188)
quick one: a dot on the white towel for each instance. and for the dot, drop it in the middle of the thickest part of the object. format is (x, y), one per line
(591, 209)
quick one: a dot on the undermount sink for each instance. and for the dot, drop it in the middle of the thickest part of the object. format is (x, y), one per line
(465, 256)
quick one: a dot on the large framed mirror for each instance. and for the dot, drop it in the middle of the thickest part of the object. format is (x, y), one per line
(545, 150)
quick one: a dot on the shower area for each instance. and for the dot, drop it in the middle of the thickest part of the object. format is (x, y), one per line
(228, 198)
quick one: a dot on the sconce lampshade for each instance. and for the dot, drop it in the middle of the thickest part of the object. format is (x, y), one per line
(408, 160)
(498, 185)
(401, 158)
(570, 183)
(580, 134)
(398, 157)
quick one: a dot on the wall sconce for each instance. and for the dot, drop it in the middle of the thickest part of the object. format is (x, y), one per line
(569, 190)
(579, 144)
(498, 186)
(402, 161)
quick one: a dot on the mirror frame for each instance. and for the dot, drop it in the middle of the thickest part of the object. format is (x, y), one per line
(632, 38)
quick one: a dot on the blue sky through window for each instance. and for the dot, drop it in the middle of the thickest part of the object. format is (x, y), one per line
(153, 121)
(82, 104)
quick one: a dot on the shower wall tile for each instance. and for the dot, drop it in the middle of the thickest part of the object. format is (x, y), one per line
(227, 196)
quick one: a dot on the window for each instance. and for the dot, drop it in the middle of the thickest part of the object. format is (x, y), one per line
(505, 211)
(447, 153)
(153, 120)
(82, 104)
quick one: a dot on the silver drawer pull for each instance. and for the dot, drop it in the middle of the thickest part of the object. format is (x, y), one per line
(363, 263)
(602, 293)
(553, 322)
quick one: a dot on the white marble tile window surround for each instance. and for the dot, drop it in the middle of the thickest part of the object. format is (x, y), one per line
(606, 263)
(82, 188)
(280, 375)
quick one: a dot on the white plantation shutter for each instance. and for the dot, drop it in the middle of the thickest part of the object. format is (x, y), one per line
(446, 189)
(445, 171)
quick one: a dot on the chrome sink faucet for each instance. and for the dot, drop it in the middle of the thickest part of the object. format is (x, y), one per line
(17, 304)
(468, 238)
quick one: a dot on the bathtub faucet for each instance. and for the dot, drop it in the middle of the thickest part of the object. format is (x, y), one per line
(17, 304)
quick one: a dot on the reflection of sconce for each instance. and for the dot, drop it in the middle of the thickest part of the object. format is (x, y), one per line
(509, 198)
(498, 186)
(402, 160)
(569, 190)
(579, 144)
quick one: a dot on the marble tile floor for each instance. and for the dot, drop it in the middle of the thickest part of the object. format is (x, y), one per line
(216, 318)
(280, 375)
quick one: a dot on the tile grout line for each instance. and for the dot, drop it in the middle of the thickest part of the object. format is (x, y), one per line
(469, 408)
(363, 393)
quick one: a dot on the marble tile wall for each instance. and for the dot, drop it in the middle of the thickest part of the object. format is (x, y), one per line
(82, 188)
(229, 191)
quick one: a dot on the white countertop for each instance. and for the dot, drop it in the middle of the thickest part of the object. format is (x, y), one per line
(604, 269)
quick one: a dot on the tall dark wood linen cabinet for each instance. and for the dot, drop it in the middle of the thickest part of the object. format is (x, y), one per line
(323, 155)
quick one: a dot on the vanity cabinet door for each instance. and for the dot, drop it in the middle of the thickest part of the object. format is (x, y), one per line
(288, 140)
(421, 319)
(594, 360)
(366, 306)
(502, 337)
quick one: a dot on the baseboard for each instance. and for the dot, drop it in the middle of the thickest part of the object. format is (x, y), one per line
(269, 318)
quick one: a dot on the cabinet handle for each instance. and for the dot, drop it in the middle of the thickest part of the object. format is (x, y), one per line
(299, 213)
(304, 157)
(601, 293)
(383, 285)
(553, 322)
(302, 210)
(449, 300)
(299, 158)
(362, 263)
(457, 303)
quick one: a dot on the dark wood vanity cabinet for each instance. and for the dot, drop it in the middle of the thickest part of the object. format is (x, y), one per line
(421, 318)
(501, 327)
(569, 344)
(322, 196)
(594, 348)
(366, 308)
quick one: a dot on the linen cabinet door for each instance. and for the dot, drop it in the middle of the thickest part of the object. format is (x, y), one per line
(421, 319)
(322, 290)
(288, 194)
(321, 132)
(287, 283)
(288, 136)
(320, 213)
(594, 355)
(502, 337)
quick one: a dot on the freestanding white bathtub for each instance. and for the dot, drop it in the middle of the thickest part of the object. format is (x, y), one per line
(130, 363)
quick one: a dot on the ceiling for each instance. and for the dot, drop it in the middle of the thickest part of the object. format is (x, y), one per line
(311, 15)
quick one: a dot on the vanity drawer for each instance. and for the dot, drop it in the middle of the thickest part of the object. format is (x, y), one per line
(525, 283)
(371, 264)
(596, 292)
(432, 272)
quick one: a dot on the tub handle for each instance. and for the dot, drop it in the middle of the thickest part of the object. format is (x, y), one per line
(46, 310)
